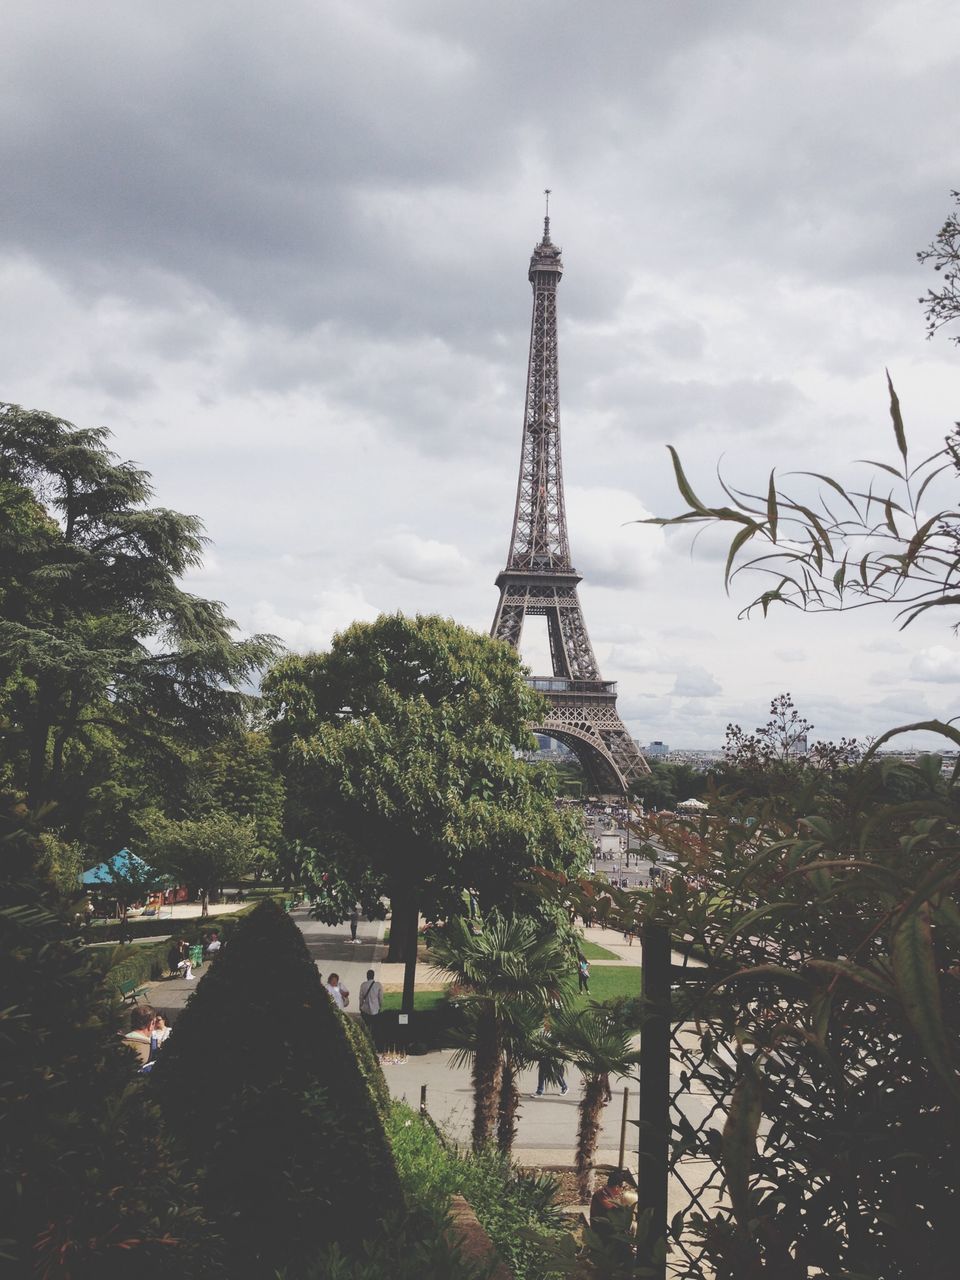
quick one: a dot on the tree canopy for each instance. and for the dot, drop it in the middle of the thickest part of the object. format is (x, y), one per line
(108, 667)
(401, 747)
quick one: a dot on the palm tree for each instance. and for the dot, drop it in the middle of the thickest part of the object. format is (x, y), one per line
(595, 1040)
(505, 960)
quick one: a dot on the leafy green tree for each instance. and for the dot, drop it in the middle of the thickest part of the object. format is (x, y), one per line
(202, 853)
(401, 756)
(597, 1043)
(238, 776)
(506, 960)
(101, 649)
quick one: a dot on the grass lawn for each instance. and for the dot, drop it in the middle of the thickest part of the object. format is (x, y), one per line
(608, 983)
(421, 999)
(594, 952)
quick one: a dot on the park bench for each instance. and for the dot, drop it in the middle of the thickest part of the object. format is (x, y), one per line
(130, 991)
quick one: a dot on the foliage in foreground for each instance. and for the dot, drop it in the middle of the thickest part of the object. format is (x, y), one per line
(261, 1087)
(517, 1210)
(828, 911)
(89, 1186)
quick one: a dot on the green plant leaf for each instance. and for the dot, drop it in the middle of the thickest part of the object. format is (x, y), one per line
(683, 484)
(739, 1138)
(854, 973)
(918, 985)
(895, 416)
(772, 508)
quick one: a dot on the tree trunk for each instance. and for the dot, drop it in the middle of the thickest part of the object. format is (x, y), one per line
(204, 908)
(404, 918)
(509, 1102)
(487, 1065)
(591, 1108)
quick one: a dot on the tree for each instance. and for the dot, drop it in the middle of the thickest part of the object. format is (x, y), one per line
(238, 776)
(202, 853)
(509, 959)
(101, 649)
(401, 756)
(943, 305)
(594, 1040)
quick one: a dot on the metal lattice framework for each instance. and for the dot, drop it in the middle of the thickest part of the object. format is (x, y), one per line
(540, 578)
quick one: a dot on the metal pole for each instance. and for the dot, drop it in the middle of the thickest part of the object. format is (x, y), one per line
(655, 1084)
(623, 1128)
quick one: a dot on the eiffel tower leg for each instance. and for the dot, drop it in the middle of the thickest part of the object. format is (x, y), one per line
(558, 651)
(508, 623)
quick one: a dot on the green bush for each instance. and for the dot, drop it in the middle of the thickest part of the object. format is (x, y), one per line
(261, 1085)
(89, 1189)
(517, 1210)
(368, 1064)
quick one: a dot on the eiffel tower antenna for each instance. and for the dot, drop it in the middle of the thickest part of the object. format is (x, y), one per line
(540, 578)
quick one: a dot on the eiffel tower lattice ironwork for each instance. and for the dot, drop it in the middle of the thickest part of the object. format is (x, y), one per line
(540, 578)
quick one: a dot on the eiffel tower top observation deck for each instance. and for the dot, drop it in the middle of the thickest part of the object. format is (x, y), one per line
(540, 578)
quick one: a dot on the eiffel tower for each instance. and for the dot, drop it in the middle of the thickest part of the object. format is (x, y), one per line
(540, 578)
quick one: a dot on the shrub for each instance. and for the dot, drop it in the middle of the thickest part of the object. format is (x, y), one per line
(368, 1064)
(517, 1210)
(89, 1189)
(261, 1085)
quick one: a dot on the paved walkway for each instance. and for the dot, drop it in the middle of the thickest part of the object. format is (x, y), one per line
(547, 1126)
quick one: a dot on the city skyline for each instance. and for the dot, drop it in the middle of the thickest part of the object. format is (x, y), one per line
(284, 261)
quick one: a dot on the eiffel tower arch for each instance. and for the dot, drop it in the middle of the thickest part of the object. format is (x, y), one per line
(539, 578)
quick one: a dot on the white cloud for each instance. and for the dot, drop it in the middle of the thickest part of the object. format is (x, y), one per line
(937, 664)
(315, 625)
(609, 548)
(696, 682)
(423, 559)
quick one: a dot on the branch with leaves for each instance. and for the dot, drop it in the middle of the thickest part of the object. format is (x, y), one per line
(848, 548)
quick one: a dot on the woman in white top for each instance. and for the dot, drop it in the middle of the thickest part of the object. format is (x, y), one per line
(339, 995)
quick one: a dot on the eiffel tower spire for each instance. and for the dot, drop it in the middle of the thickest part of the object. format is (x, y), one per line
(540, 577)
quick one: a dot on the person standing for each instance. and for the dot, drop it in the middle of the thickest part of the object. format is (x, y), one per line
(583, 973)
(371, 1002)
(337, 993)
(354, 922)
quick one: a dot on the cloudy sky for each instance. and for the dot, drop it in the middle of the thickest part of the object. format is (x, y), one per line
(281, 251)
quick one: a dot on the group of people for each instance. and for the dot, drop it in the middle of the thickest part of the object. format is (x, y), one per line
(184, 955)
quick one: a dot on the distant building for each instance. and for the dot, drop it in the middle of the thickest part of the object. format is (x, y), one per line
(656, 750)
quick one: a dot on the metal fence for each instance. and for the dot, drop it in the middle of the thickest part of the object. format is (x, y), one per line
(688, 1071)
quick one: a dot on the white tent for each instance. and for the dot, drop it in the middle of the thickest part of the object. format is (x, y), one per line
(691, 806)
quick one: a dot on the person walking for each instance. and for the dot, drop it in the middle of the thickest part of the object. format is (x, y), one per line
(354, 922)
(583, 973)
(371, 1002)
(337, 993)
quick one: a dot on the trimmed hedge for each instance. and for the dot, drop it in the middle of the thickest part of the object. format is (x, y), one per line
(369, 1064)
(260, 1084)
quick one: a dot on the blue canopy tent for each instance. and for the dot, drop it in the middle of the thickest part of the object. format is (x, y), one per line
(123, 868)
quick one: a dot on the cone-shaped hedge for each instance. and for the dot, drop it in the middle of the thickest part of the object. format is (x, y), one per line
(261, 1085)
